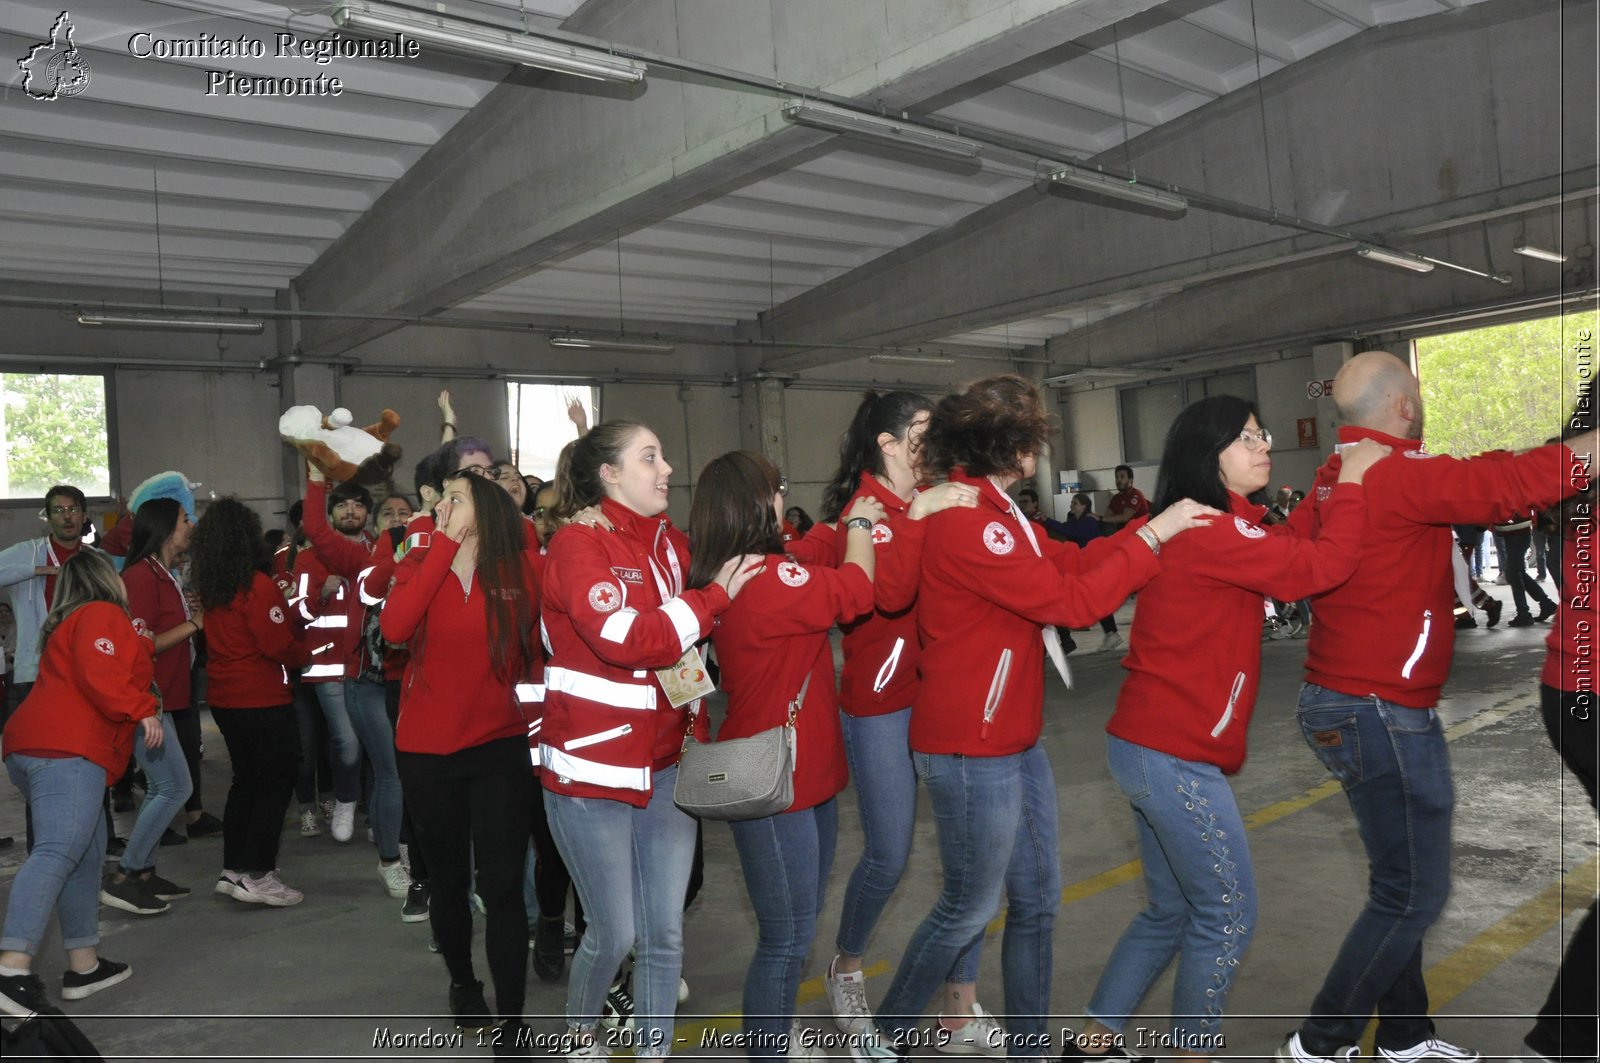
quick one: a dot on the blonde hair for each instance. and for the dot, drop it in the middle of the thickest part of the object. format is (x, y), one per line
(87, 576)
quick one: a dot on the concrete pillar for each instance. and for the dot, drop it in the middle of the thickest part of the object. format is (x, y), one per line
(771, 431)
(1326, 358)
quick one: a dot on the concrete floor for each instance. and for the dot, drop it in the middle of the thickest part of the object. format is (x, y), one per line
(214, 979)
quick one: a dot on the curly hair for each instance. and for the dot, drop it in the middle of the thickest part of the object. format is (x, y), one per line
(226, 552)
(986, 428)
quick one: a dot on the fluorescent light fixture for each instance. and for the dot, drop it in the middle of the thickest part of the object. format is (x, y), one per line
(912, 359)
(171, 324)
(1402, 259)
(1089, 373)
(1540, 253)
(574, 341)
(879, 127)
(1117, 188)
(486, 42)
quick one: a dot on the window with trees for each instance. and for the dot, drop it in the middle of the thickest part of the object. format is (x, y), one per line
(55, 431)
(544, 418)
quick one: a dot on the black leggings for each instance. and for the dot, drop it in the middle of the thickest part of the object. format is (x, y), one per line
(475, 806)
(186, 725)
(264, 747)
(408, 832)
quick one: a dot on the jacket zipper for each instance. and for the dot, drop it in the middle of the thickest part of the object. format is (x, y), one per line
(1227, 713)
(890, 666)
(1422, 644)
(603, 736)
(997, 691)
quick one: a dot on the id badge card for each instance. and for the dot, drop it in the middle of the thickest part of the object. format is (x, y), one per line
(687, 680)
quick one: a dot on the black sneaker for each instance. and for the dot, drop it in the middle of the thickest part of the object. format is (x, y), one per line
(513, 1038)
(617, 1012)
(130, 895)
(207, 824)
(171, 837)
(115, 847)
(1521, 620)
(415, 910)
(22, 995)
(1547, 609)
(162, 889)
(470, 1010)
(1493, 607)
(75, 986)
(1071, 1053)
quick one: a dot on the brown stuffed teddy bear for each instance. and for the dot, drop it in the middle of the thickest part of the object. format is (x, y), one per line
(340, 452)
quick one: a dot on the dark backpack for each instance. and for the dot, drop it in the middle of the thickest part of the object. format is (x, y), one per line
(47, 1035)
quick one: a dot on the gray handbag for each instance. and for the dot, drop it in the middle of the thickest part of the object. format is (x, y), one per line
(742, 778)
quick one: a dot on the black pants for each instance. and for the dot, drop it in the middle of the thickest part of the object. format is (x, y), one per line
(408, 832)
(551, 880)
(186, 724)
(264, 748)
(1566, 1025)
(1522, 584)
(475, 805)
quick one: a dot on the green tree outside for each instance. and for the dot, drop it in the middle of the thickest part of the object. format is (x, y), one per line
(1507, 387)
(55, 432)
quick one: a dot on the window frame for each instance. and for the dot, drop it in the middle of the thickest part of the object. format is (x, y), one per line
(113, 455)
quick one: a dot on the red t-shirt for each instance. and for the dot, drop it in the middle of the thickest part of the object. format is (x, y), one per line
(56, 554)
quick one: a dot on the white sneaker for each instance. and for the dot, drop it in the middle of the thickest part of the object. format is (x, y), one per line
(683, 990)
(1292, 1051)
(869, 1046)
(982, 1035)
(847, 999)
(344, 820)
(1431, 1049)
(617, 1012)
(268, 889)
(590, 1049)
(802, 1047)
(228, 884)
(310, 823)
(1114, 643)
(396, 879)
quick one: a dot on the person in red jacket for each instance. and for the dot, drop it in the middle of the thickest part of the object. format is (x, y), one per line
(160, 612)
(251, 641)
(878, 457)
(1378, 655)
(466, 601)
(1566, 1024)
(989, 587)
(66, 742)
(1183, 712)
(616, 610)
(777, 667)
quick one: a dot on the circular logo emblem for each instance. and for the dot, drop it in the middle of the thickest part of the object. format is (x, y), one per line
(140, 627)
(106, 646)
(1418, 454)
(275, 614)
(998, 538)
(1248, 530)
(881, 534)
(792, 574)
(604, 597)
(67, 73)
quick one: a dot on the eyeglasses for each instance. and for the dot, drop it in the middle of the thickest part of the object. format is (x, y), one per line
(471, 470)
(783, 485)
(65, 511)
(1256, 440)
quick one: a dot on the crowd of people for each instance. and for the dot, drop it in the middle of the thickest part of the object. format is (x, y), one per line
(502, 619)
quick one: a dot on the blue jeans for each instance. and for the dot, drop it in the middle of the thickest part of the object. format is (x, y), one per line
(358, 722)
(1395, 770)
(631, 866)
(1201, 892)
(878, 750)
(786, 860)
(167, 787)
(997, 832)
(62, 871)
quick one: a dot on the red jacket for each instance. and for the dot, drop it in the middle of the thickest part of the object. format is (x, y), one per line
(94, 684)
(772, 637)
(333, 624)
(1194, 654)
(1388, 630)
(881, 648)
(156, 605)
(614, 610)
(1570, 663)
(368, 566)
(450, 699)
(984, 598)
(249, 644)
(815, 547)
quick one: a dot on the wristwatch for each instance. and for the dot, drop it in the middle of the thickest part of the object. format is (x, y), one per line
(858, 522)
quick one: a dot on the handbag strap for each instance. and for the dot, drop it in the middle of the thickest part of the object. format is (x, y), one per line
(799, 700)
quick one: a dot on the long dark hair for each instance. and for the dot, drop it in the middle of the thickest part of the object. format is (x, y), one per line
(501, 572)
(1196, 440)
(578, 483)
(858, 447)
(226, 552)
(153, 525)
(985, 426)
(732, 513)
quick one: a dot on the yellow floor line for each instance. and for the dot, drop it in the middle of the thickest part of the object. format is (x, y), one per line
(811, 989)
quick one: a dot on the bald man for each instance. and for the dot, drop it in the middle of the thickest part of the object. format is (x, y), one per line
(1379, 653)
